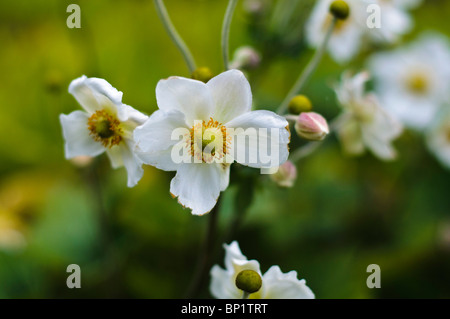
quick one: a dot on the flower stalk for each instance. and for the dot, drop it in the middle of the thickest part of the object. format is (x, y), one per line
(176, 38)
(226, 33)
(307, 72)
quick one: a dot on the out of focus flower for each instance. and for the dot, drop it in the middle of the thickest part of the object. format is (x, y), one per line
(412, 81)
(363, 122)
(346, 39)
(105, 125)
(438, 138)
(245, 57)
(351, 34)
(211, 119)
(275, 284)
(395, 20)
(286, 175)
(311, 126)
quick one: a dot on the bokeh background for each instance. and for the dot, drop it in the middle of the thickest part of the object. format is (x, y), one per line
(342, 215)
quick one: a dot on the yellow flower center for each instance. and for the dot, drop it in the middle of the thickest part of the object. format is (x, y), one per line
(105, 128)
(208, 141)
(418, 83)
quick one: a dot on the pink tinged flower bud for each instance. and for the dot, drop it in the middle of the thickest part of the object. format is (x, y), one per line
(245, 57)
(286, 175)
(312, 126)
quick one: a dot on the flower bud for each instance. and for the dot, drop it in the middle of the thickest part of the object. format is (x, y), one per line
(245, 57)
(340, 9)
(299, 104)
(249, 281)
(286, 175)
(312, 126)
(254, 7)
(203, 74)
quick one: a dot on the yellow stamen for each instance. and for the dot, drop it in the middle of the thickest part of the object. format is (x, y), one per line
(208, 141)
(417, 83)
(105, 128)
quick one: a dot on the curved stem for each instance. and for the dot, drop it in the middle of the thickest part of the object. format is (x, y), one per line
(310, 147)
(204, 261)
(226, 32)
(307, 72)
(304, 151)
(176, 38)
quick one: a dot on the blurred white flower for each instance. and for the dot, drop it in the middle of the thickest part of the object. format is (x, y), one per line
(351, 34)
(438, 138)
(217, 107)
(395, 21)
(364, 124)
(275, 284)
(105, 125)
(412, 81)
(346, 39)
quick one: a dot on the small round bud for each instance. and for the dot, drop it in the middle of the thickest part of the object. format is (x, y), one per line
(203, 74)
(312, 126)
(299, 104)
(249, 281)
(340, 9)
(286, 175)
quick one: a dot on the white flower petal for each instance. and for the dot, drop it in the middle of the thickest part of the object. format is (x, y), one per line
(128, 113)
(154, 139)
(156, 133)
(231, 94)
(197, 186)
(76, 135)
(233, 252)
(277, 285)
(95, 94)
(115, 156)
(132, 164)
(260, 139)
(220, 286)
(190, 97)
(223, 281)
(349, 134)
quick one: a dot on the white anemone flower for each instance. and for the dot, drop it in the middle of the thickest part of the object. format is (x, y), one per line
(352, 34)
(209, 121)
(275, 283)
(364, 124)
(347, 36)
(105, 125)
(412, 81)
(395, 20)
(438, 138)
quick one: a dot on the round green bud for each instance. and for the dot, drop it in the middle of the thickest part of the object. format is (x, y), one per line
(249, 281)
(299, 104)
(203, 74)
(340, 9)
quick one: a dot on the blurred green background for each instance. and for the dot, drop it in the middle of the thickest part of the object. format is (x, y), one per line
(342, 215)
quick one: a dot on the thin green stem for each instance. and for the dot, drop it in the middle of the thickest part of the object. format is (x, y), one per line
(204, 261)
(245, 295)
(226, 32)
(176, 38)
(307, 72)
(310, 147)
